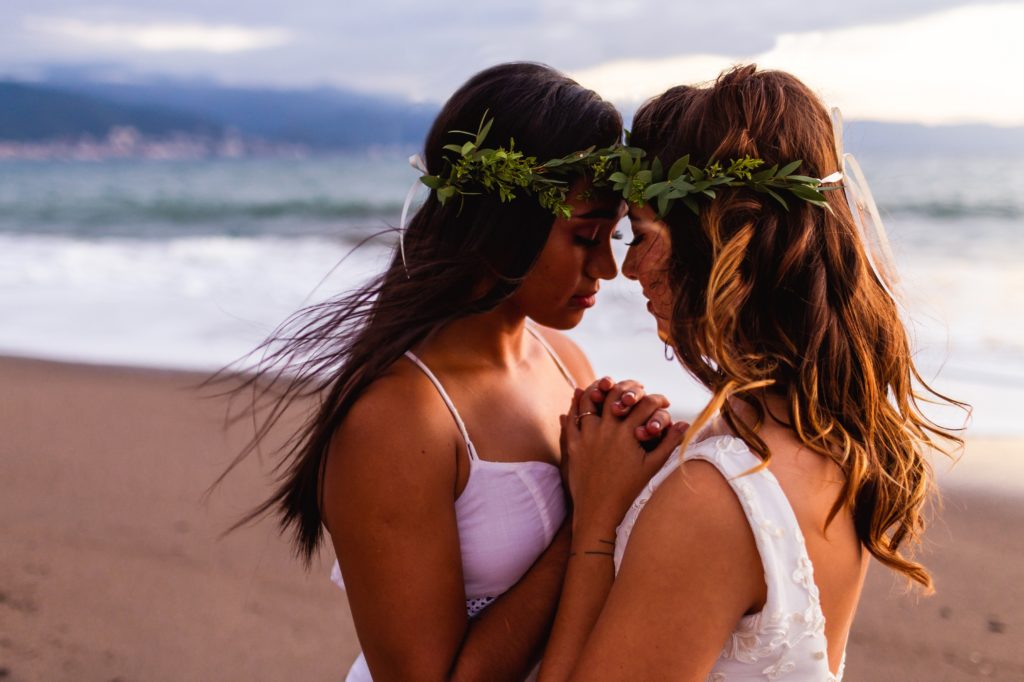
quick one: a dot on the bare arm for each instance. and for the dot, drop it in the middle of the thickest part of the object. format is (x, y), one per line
(607, 468)
(506, 640)
(588, 580)
(389, 505)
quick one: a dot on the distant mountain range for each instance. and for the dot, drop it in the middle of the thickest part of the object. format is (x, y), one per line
(332, 119)
(31, 113)
(320, 119)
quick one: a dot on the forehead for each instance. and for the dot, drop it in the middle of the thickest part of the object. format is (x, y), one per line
(643, 214)
(588, 201)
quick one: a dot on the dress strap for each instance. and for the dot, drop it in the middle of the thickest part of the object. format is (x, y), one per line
(447, 401)
(554, 356)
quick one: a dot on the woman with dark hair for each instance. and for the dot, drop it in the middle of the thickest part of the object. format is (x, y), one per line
(744, 556)
(433, 455)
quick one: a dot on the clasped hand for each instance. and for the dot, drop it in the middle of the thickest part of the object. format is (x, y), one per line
(614, 439)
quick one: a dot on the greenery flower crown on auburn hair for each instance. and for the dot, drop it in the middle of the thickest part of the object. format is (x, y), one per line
(476, 169)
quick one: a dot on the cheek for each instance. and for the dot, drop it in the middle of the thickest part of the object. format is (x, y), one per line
(652, 274)
(549, 281)
(651, 269)
(560, 261)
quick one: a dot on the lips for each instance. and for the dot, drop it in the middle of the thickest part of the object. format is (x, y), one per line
(650, 305)
(585, 300)
(652, 311)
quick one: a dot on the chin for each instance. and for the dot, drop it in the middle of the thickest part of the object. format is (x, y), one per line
(560, 320)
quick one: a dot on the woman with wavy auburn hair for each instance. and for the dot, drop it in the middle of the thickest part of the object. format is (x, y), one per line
(745, 555)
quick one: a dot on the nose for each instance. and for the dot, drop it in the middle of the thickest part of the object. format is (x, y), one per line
(601, 262)
(629, 270)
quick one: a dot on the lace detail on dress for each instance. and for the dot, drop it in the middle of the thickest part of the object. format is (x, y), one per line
(786, 639)
(475, 606)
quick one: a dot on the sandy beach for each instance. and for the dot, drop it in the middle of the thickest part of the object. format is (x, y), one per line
(113, 567)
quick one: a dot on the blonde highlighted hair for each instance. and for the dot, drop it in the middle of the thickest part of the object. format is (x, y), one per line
(786, 302)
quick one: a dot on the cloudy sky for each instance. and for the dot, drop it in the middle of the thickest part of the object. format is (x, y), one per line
(933, 61)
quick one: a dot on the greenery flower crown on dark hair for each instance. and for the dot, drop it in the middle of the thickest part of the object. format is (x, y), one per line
(476, 169)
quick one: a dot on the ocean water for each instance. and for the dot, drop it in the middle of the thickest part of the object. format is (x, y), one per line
(191, 264)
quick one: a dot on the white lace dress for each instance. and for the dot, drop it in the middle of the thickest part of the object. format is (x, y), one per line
(786, 639)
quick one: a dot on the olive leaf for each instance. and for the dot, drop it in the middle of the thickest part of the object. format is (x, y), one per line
(788, 168)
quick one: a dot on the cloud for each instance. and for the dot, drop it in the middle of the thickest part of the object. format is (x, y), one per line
(905, 58)
(162, 37)
(947, 67)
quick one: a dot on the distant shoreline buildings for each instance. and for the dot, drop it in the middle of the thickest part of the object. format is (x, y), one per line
(126, 142)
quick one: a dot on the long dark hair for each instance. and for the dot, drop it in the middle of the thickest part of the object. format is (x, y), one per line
(787, 302)
(461, 258)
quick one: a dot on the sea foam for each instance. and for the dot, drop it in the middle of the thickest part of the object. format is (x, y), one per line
(204, 302)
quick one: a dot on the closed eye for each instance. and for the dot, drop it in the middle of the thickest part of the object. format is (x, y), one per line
(636, 240)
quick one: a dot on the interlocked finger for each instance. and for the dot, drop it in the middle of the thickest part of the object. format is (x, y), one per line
(645, 410)
(654, 427)
(598, 390)
(588, 412)
(623, 397)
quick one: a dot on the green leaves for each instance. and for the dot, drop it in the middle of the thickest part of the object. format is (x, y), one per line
(788, 168)
(656, 170)
(626, 163)
(679, 167)
(445, 193)
(472, 169)
(689, 184)
(481, 134)
(777, 197)
(742, 169)
(657, 189)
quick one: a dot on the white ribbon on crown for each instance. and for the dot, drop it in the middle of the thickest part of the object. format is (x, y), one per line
(416, 161)
(865, 211)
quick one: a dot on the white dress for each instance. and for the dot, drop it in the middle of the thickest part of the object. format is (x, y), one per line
(507, 515)
(786, 639)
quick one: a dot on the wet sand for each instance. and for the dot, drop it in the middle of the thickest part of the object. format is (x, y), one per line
(113, 569)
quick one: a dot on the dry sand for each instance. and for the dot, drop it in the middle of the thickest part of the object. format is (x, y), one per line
(112, 569)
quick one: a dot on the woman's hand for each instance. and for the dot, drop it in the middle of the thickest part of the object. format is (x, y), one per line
(607, 463)
(628, 393)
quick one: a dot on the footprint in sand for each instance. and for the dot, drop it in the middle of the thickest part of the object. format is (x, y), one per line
(996, 625)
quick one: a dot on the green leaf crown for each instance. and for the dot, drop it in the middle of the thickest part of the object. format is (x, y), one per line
(476, 169)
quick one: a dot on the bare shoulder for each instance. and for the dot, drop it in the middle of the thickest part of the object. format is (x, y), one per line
(694, 527)
(570, 353)
(698, 497)
(397, 434)
(402, 398)
(690, 572)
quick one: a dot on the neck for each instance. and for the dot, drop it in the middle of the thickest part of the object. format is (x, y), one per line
(771, 403)
(494, 339)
